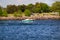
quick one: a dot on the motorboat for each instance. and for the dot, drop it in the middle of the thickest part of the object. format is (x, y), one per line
(27, 21)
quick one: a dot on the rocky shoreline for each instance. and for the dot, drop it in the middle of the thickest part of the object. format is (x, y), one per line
(34, 18)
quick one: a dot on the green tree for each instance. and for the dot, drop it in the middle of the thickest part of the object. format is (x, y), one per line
(36, 10)
(1, 11)
(18, 13)
(41, 7)
(30, 7)
(15, 14)
(5, 13)
(27, 12)
(22, 7)
(12, 8)
(56, 7)
(44, 7)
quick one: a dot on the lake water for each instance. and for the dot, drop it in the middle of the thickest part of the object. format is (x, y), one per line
(38, 30)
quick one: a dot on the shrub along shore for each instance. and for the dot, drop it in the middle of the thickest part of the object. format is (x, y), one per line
(30, 17)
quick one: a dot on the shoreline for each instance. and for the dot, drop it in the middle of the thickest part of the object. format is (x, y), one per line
(34, 18)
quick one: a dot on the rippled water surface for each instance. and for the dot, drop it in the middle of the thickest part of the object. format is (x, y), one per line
(38, 30)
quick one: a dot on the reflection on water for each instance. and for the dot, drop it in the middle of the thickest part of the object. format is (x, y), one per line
(38, 30)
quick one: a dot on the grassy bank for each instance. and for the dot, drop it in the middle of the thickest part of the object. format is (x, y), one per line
(34, 16)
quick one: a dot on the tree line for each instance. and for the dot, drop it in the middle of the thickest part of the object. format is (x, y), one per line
(29, 9)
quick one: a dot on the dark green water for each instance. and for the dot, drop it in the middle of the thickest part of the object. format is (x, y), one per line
(38, 30)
